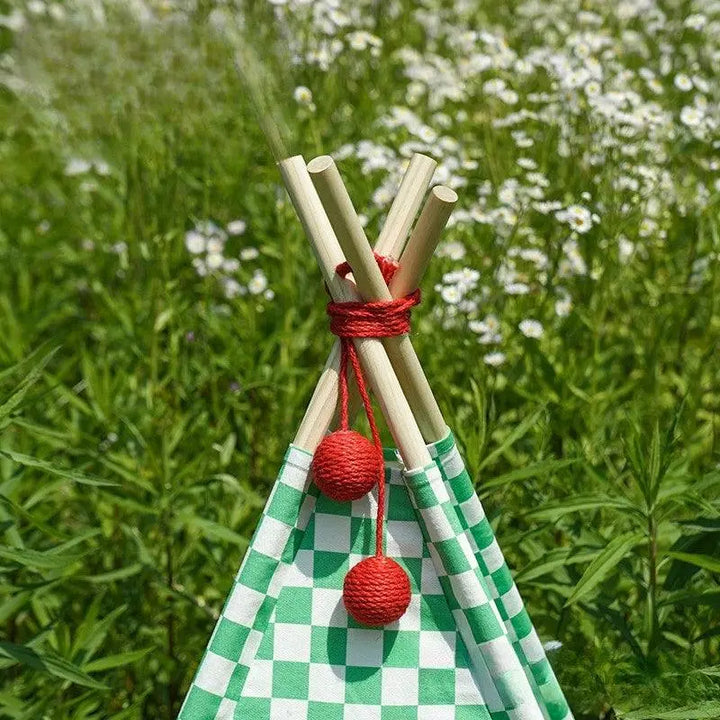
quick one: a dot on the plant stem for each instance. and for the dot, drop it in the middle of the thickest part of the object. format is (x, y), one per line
(652, 587)
(170, 632)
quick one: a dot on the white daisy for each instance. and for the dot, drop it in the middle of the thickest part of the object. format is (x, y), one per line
(236, 227)
(214, 260)
(494, 359)
(691, 116)
(303, 95)
(249, 253)
(258, 284)
(531, 328)
(683, 82)
(195, 242)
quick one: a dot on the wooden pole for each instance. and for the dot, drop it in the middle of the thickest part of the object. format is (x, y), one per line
(374, 359)
(405, 206)
(371, 285)
(321, 408)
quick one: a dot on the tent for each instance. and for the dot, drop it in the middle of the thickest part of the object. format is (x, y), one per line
(285, 645)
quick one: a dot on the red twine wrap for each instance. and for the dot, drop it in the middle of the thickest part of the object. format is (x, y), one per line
(346, 466)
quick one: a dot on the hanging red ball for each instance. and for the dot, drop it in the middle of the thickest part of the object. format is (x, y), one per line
(346, 465)
(376, 591)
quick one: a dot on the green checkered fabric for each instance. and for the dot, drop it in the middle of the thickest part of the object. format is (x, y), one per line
(499, 582)
(284, 646)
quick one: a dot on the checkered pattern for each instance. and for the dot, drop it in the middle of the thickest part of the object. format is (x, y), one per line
(498, 579)
(284, 646)
(267, 564)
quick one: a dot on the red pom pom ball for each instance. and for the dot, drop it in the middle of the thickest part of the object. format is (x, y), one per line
(346, 465)
(376, 591)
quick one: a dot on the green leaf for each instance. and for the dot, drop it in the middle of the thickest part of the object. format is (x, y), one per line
(603, 564)
(552, 560)
(11, 606)
(709, 597)
(12, 403)
(709, 710)
(114, 661)
(583, 502)
(47, 467)
(49, 662)
(544, 467)
(703, 561)
(512, 437)
(40, 560)
(216, 531)
(55, 558)
(701, 524)
(226, 449)
(114, 575)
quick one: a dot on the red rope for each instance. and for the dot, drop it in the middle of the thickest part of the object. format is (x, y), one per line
(384, 318)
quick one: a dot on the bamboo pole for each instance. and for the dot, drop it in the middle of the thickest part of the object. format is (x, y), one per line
(322, 406)
(374, 359)
(371, 285)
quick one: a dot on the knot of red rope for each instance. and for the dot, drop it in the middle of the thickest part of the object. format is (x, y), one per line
(388, 267)
(376, 319)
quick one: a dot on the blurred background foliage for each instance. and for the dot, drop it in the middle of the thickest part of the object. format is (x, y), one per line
(146, 399)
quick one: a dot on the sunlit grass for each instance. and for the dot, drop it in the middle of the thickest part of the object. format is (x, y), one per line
(569, 325)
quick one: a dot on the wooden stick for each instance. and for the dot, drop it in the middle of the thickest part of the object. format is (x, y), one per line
(423, 241)
(405, 206)
(322, 406)
(413, 263)
(373, 357)
(370, 283)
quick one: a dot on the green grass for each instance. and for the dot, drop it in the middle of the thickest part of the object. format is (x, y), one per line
(144, 414)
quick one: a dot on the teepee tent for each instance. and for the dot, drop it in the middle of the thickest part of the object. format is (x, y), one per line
(463, 645)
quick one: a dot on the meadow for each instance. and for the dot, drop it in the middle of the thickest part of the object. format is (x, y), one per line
(162, 321)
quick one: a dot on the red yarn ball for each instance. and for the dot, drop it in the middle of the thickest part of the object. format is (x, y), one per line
(346, 465)
(376, 591)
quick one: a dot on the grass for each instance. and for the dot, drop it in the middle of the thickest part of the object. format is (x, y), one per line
(145, 407)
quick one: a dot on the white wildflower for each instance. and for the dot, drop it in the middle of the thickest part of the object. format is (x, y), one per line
(195, 242)
(691, 116)
(647, 227)
(552, 645)
(214, 260)
(249, 253)
(236, 227)
(517, 288)
(258, 283)
(77, 166)
(101, 167)
(683, 82)
(578, 217)
(527, 163)
(563, 306)
(303, 95)
(232, 288)
(531, 328)
(625, 249)
(696, 21)
(451, 294)
(453, 249)
(215, 245)
(495, 359)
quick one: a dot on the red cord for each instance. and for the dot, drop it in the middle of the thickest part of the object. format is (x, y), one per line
(385, 318)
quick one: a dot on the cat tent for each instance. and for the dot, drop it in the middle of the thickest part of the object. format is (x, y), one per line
(383, 596)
